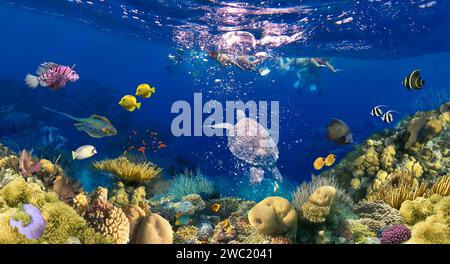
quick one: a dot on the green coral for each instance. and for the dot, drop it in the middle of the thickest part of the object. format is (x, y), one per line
(21, 215)
(361, 233)
(62, 221)
(138, 196)
(19, 192)
(119, 196)
(315, 213)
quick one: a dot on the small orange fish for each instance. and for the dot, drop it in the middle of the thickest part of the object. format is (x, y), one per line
(215, 207)
(142, 150)
(162, 145)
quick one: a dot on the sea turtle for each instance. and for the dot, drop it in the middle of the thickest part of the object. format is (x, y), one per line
(252, 143)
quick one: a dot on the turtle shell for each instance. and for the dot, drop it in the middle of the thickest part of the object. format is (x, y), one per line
(252, 143)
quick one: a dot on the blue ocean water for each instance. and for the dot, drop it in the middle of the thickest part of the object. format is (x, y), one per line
(117, 45)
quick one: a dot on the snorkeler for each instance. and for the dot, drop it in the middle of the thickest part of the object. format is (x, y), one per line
(242, 62)
(307, 73)
(175, 59)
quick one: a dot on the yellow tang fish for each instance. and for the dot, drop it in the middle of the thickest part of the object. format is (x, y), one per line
(130, 103)
(330, 159)
(145, 91)
(319, 163)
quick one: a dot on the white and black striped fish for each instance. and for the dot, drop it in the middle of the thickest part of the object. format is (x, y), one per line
(387, 117)
(413, 80)
(376, 111)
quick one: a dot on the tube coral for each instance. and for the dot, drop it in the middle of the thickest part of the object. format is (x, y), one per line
(127, 170)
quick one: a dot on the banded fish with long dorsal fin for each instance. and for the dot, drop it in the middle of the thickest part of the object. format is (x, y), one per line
(95, 126)
(414, 80)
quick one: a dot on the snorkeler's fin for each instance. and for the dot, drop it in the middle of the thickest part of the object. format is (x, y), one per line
(296, 84)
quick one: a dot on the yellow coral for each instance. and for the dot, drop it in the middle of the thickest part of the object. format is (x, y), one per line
(399, 188)
(48, 167)
(442, 186)
(19, 192)
(9, 162)
(356, 183)
(388, 157)
(127, 170)
(315, 213)
(429, 218)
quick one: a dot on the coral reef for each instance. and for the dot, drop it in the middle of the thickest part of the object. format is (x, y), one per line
(127, 170)
(399, 164)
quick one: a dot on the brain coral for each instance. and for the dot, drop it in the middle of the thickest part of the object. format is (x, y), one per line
(323, 196)
(273, 216)
(148, 228)
(107, 219)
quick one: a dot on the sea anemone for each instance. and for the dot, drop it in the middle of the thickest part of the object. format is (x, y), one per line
(190, 183)
(305, 190)
(401, 187)
(127, 170)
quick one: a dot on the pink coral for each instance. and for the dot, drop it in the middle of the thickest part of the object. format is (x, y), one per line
(26, 165)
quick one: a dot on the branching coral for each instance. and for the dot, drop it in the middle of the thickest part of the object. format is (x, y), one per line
(190, 183)
(27, 167)
(127, 170)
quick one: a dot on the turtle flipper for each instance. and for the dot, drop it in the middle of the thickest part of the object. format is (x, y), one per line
(221, 125)
(256, 175)
(276, 173)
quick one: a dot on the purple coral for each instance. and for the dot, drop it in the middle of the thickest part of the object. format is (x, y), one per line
(26, 165)
(396, 234)
(36, 228)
